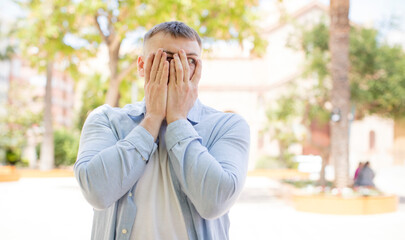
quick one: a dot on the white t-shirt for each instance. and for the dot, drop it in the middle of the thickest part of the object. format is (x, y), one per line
(159, 215)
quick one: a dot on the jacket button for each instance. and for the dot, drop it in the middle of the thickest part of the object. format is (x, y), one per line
(124, 231)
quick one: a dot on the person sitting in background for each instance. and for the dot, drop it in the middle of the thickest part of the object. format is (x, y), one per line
(356, 174)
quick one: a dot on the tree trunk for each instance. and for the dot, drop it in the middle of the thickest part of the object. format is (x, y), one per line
(112, 97)
(325, 161)
(339, 49)
(47, 146)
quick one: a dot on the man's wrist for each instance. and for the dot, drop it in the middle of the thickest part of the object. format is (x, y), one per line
(152, 124)
(170, 119)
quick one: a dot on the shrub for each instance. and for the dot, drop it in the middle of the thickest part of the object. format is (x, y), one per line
(13, 155)
(272, 162)
(66, 146)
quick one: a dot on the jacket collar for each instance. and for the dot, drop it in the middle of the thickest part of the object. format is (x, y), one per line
(139, 109)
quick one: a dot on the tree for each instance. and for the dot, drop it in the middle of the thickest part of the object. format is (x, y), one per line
(6, 55)
(16, 120)
(95, 90)
(42, 39)
(113, 22)
(15, 117)
(340, 95)
(376, 75)
(283, 117)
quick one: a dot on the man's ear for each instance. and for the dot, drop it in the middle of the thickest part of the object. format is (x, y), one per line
(141, 66)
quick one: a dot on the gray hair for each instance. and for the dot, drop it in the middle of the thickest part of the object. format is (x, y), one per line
(175, 29)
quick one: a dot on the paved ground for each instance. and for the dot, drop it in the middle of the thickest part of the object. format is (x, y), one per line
(53, 208)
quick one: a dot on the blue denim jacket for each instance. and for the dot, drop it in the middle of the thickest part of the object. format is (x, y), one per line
(208, 156)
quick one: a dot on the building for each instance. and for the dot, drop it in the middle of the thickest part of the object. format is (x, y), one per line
(26, 84)
(232, 81)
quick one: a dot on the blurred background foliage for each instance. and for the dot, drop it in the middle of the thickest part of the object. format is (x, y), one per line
(69, 35)
(377, 72)
(75, 33)
(16, 121)
(377, 84)
(66, 145)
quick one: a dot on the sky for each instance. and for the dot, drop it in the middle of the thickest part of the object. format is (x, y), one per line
(388, 16)
(361, 11)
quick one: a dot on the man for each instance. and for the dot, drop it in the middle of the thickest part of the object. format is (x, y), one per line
(167, 167)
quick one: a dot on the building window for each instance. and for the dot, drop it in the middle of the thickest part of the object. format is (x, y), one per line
(260, 142)
(372, 140)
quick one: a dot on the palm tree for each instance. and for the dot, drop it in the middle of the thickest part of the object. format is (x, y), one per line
(340, 97)
(47, 146)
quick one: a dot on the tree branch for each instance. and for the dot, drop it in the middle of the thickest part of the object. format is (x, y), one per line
(123, 14)
(115, 41)
(99, 29)
(110, 24)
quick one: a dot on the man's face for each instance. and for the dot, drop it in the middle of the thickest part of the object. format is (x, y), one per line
(171, 45)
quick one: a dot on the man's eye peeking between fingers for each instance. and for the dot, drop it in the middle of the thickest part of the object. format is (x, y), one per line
(191, 61)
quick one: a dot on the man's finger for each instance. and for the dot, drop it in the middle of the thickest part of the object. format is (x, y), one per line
(172, 74)
(184, 63)
(197, 72)
(148, 66)
(179, 69)
(155, 65)
(165, 75)
(161, 66)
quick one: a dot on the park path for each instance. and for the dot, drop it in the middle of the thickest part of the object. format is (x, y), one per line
(53, 208)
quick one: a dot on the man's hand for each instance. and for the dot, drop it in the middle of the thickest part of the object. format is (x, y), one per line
(182, 91)
(156, 78)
